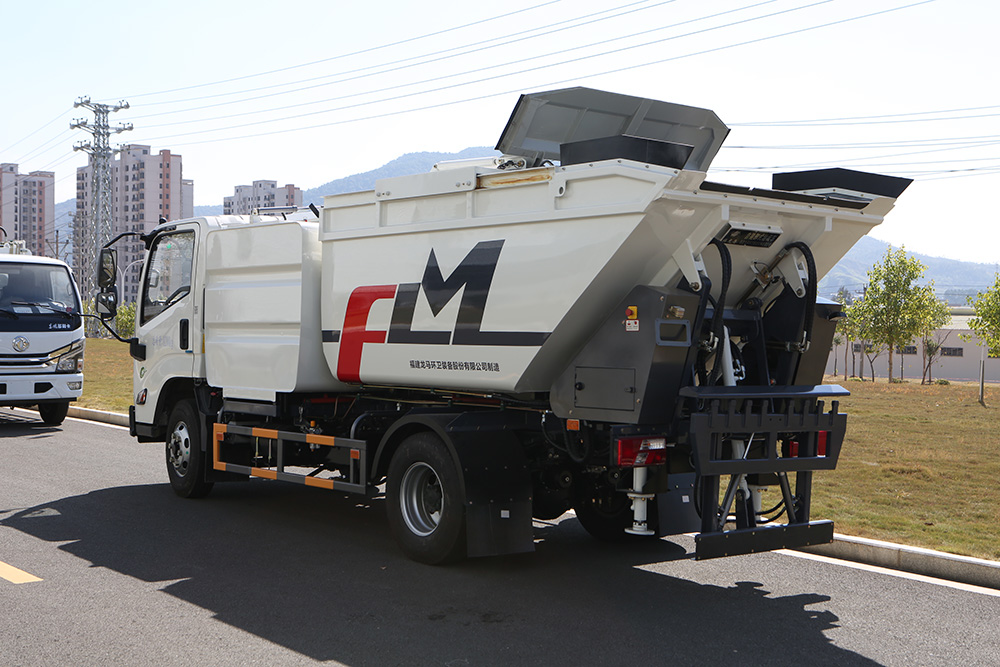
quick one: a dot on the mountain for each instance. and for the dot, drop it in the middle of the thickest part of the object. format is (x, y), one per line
(410, 163)
(953, 279)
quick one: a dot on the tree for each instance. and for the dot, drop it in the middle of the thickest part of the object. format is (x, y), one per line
(843, 330)
(934, 315)
(889, 313)
(986, 320)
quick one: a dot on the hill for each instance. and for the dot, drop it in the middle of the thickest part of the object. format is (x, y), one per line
(952, 278)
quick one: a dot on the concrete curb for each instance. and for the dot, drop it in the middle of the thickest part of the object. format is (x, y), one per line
(963, 569)
(930, 563)
(98, 416)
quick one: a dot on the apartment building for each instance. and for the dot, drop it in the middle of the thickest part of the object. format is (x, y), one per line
(146, 187)
(262, 194)
(27, 206)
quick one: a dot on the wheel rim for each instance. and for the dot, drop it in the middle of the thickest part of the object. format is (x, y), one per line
(179, 449)
(421, 499)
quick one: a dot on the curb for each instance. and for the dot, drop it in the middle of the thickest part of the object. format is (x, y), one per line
(99, 416)
(915, 560)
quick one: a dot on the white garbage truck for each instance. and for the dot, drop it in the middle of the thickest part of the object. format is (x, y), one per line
(584, 323)
(41, 333)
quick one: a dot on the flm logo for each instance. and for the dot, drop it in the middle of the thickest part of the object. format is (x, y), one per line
(473, 276)
(20, 344)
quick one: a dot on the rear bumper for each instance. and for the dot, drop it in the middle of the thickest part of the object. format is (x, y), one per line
(766, 433)
(766, 538)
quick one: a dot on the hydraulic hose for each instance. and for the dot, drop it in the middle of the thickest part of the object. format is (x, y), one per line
(720, 306)
(810, 289)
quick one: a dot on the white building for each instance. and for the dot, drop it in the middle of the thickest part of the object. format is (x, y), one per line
(146, 187)
(958, 360)
(262, 194)
(27, 207)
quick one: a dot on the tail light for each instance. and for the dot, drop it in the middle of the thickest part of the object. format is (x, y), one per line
(641, 451)
(791, 447)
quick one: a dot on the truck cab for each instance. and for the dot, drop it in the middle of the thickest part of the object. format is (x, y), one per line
(41, 334)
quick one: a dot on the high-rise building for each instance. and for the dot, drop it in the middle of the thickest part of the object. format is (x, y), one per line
(262, 194)
(146, 187)
(27, 206)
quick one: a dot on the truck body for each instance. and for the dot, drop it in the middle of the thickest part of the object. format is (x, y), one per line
(584, 323)
(41, 333)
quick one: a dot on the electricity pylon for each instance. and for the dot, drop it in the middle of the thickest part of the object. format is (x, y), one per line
(96, 224)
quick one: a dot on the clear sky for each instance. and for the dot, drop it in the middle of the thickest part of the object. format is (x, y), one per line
(307, 91)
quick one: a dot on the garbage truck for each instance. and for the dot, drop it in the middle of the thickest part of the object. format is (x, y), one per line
(41, 333)
(584, 323)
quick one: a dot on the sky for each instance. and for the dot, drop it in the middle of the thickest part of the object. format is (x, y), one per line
(309, 91)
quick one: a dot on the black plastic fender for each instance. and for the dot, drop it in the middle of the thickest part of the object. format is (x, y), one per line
(493, 473)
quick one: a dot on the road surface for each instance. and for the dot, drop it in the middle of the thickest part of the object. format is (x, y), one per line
(116, 570)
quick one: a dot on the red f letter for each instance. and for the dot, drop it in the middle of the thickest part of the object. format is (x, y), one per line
(355, 335)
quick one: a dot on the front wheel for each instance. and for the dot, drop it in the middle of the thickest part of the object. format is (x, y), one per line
(186, 461)
(53, 414)
(423, 501)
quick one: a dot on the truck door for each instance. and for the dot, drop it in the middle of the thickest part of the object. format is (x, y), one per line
(165, 321)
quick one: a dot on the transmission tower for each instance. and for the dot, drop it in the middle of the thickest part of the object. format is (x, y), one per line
(96, 224)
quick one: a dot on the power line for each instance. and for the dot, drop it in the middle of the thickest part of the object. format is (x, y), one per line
(348, 55)
(510, 92)
(523, 71)
(477, 47)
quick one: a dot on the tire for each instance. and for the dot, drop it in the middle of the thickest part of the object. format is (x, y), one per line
(606, 516)
(424, 501)
(186, 461)
(53, 414)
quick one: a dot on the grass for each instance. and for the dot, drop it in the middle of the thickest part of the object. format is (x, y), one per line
(107, 376)
(919, 466)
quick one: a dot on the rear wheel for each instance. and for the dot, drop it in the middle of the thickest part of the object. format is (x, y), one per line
(186, 461)
(53, 414)
(423, 501)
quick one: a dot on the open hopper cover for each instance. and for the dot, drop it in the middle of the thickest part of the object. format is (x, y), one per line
(541, 122)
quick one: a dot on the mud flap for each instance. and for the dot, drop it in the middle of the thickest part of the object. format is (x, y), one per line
(498, 490)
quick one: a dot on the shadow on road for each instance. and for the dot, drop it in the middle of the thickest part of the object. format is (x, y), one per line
(318, 574)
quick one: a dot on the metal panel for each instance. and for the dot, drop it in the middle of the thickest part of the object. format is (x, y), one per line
(541, 122)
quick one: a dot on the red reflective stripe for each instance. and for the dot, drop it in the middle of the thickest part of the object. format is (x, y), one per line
(355, 333)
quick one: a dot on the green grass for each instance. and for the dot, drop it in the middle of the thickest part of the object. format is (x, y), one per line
(920, 464)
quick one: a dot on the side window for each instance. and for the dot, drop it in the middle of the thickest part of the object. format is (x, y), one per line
(168, 278)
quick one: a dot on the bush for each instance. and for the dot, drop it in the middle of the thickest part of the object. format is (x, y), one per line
(942, 382)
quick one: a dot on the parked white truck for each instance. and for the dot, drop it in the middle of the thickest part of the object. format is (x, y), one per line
(585, 323)
(41, 333)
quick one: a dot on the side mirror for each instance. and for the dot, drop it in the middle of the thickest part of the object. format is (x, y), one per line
(106, 305)
(106, 269)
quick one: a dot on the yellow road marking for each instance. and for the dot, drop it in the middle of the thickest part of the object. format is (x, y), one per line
(14, 575)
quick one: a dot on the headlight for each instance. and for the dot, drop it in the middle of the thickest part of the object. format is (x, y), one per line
(71, 364)
(71, 358)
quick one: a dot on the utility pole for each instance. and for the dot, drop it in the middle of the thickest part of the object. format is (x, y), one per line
(96, 226)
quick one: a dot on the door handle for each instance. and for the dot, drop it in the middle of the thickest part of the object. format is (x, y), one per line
(184, 334)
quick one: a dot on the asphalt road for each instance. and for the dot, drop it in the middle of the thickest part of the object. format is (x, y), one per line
(268, 573)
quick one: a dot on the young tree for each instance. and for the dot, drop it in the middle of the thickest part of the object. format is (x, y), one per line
(934, 316)
(891, 306)
(986, 320)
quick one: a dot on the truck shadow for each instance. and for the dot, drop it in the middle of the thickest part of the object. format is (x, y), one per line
(319, 574)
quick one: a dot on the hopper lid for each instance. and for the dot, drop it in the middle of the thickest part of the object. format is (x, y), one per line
(541, 122)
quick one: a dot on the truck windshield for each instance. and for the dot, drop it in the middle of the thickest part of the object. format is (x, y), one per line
(29, 290)
(168, 278)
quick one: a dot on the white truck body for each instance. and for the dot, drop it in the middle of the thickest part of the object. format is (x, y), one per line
(41, 333)
(591, 327)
